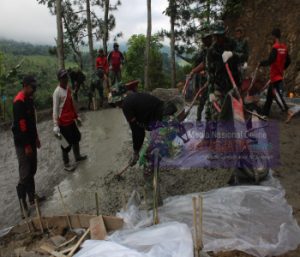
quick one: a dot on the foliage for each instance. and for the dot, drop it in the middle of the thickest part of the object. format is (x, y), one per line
(22, 48)
(135, 60)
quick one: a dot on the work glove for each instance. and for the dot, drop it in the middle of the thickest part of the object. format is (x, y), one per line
(134, 159)
(245, 66)
(56, 131)
(226, 56)
(79, 122)
(212, 97)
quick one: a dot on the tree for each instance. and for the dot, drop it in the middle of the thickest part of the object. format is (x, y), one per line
(172, 6)
(108, 22)
(90, 34)
(148, 42)
(60, 38)
(135, 61)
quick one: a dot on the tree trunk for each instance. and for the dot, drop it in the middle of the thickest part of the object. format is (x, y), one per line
(105, 34)
(172, 44)
(208, 11)
(77, 53)
(148, 42)
(90, 34)
(60, 37)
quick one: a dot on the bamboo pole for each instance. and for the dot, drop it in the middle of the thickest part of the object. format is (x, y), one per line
(200, 229)
(65, 208)
(97, 203)
(39, 214)
(25, 216)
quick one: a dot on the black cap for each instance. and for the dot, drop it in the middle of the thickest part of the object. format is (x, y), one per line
(276, 32)
(169, 109)
(116, 44)
(29, 81)
(62, 73)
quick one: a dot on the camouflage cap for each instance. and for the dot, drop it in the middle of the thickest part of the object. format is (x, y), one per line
(205, 30)
(118, 93)
(219, 28)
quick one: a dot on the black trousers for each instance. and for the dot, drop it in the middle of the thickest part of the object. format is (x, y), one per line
(72, 135)
(275, 90)
(27, 170)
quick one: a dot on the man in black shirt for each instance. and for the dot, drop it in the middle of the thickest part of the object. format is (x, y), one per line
(143, 111)
(26, 140)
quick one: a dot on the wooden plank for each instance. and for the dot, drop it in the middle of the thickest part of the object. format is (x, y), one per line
(50, 250)
(97, 227)
(112, 223)
(78, 243)
(67, 250)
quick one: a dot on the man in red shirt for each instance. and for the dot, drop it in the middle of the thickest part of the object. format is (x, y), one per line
(65, 120)
(102, 63)
(278, 61)
(26, 141)
(115, 59)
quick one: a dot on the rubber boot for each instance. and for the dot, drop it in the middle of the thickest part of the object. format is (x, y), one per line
(66, 160)
(32, 194)
(77, 155)
(21, 192)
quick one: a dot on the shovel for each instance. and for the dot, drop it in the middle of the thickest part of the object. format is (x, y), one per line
(119, 175)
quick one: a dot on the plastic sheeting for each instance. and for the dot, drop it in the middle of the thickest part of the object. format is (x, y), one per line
(166, 240)
(253, 219)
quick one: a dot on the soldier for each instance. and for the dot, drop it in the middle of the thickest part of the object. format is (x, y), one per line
(223, 50)
(96, 84)
(206, 39)
(242, 46)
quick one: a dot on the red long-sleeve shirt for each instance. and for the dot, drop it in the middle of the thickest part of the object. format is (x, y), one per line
(101, 62)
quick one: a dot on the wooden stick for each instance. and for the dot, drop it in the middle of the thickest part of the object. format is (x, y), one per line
(97, 203)
(78, 243)
(196, 241)
(65, 208)
(39, 214)
(48, 249)
(200, 230)
(67, 242)
(25, 215)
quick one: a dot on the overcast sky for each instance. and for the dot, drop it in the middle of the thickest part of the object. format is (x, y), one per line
(26, 20)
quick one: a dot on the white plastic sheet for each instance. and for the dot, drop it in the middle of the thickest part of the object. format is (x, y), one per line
(253, 219)
(166, 240)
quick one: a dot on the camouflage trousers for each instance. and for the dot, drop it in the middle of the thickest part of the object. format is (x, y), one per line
(202, 102)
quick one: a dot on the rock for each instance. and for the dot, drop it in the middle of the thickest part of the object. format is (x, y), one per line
(165, 94)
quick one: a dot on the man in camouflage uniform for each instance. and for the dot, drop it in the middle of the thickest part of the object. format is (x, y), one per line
(96, 84)
(243, 48)
(206, 39)
(223, 50)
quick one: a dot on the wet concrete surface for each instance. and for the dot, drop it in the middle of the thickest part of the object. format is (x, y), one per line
(101, 132)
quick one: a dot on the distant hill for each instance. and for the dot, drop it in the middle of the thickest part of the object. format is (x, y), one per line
(22, 48)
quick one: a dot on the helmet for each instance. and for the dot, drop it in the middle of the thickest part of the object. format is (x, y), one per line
(205, 30)
(218, 28)
(118, 93)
